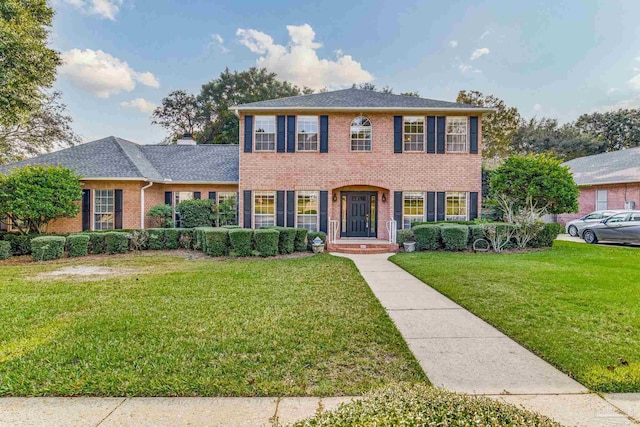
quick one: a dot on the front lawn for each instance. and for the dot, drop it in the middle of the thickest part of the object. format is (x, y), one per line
(577, 306)
(165, 326)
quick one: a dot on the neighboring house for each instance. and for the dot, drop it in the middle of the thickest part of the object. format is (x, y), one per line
(348, 162)
(606, 181)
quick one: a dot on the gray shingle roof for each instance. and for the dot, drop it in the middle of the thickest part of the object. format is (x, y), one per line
(607, 168)
(355, 99)
(114, 158)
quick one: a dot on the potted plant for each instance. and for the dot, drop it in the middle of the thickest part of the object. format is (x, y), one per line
(407, 239)
(317, 245)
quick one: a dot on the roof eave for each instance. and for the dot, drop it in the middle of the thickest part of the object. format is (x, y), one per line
(482, 110)
(591, 184)
(200, 182)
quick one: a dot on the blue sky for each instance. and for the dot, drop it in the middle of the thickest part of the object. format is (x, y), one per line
(548, 58)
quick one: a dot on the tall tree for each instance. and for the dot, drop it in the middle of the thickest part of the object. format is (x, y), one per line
(27, 64)
(498, 127)
(179, 113)
(617, 130)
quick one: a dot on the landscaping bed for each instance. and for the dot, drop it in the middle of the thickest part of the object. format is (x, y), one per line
(575, 305)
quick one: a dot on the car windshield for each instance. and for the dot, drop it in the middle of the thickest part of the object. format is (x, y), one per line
(617, 218)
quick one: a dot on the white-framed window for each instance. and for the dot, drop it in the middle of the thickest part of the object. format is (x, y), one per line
(601, 200)
(265, 133)
(307, 129)
(412, 208)
(181, 196)
(103, 209)
(456, 206)
(230, 198)
(414, 133)
(264, 209)
(307, 209)
(361, 134)
(456, 134)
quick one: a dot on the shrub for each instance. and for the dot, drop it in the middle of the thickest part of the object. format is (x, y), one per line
(172, 238)
(116, 242)
(422, 405)
(267, 240)
(46, 248)
(286, 240)
(405, 236)
(196, 213)
(78, 245)
(216, 241)
(186, 239)
(241, 241)
(20, 243)
(139, 240)
(198, 234)
(97, 244)
(161, 216)
(156, 238)
(454, 237)
(499, 235)
(5, 250)
(300, 242)
(476, 232)
(546, 236)
(427, 237)
(312, 235)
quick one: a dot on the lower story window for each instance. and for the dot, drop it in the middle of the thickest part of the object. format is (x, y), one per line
(307, 210)
(456, 206)
(264, 212)
(103, 207)
(229, 213)
(601, 200)
(180, 196)
(413, 208)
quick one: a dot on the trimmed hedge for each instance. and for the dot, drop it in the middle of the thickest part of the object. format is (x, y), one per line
(286, 240)
(454, 237)
(267, 240)
(476, 232)
(427, 237)
(216, 241)
(405, 236)
(116, 242)
(196, 213)
(186, 239)
(200, 241)
(77, 245)
(172, 238)
(20, 243)
(156, 238)
(97, 244)
(546, 236)
(312, 235)
(300, 242)
(46, 248)
(241, 241)
(5, 250)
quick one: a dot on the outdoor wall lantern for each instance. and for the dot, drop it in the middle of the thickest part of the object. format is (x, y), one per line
(335, 197)
(384, 197)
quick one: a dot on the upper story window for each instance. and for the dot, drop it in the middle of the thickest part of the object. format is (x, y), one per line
(307, 129)
(265, 133)
(361, 134)
(103, 209)
(456, 134)
(414, 134)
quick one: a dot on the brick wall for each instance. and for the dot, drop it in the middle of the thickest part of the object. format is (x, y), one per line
(617, 194)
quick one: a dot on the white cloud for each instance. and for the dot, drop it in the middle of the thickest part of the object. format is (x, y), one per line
(634, 82)
(479, 52)
(485, 34)
(101, 74)
(632, 103)
(140, 104)
(218, 41)
(453, 43)
(298, 62)
(612, 90)
(104, 8)
(466, 68)
(537, 108)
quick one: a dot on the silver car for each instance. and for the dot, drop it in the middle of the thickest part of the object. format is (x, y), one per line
(574, 228)
(622, 227)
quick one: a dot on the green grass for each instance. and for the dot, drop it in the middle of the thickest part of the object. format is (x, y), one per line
(306, 326)
(576, 305)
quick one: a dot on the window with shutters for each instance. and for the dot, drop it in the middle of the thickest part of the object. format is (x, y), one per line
(229, 199)
(361, 134)
(103, 209)
(265, 133)
(412, 208)
(264, 209)
(456, 134)
(601, 200)
(181, 196)
(413, 134)
(307, 209)
(456, 206)
(307, 129)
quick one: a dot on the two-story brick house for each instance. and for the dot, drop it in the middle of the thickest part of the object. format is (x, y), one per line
(348, 162)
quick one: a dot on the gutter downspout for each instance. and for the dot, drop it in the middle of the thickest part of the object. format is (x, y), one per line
(142, 204)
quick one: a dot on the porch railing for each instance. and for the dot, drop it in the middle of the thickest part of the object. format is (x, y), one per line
(334, 229)
(392, 229)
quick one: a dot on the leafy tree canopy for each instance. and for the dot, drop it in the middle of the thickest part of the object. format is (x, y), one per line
(616, 130)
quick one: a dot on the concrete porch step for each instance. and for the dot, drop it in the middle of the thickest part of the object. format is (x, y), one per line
(345, 246)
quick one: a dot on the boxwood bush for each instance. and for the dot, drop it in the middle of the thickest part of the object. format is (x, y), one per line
(156, 238)
(196, 213)
(216, 241)
(405, 236)
(286, 239)
(198, 234)
(172, 238)
(186, 239)
(266, 240)
(46, 248)
(300, 242)
(97, 244)
(312, 235)
(5, 250)
(77, 245)
(116, 242)
(427, 237)
(454, 237)
(20, 243)
(546, 236)
(241, 241)
(476, 232)
(424, 405)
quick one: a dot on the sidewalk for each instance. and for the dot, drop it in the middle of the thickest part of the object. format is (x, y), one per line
(460, 352)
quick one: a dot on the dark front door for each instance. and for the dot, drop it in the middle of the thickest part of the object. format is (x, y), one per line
(360, 214)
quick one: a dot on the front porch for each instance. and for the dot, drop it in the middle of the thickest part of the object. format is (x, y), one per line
(347, 245)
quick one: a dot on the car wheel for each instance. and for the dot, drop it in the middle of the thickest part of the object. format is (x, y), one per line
(590, 237)
(573, 231)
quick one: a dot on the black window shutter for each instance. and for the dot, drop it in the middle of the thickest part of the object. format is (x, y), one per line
(248, 134)
(281, 128)
(291, 134)
(431, 134)
(324, 210)
(431, 206)
(197, 195)
(473, 205)
(280, 208)
(324, 134)
(473, 135)
(246, 209)
(212, 196)
(440, 206)
(86, 210)
(442, 122)
(397, 134)
(168, 196)
(397, 209)
(291, 208)
(117, 209)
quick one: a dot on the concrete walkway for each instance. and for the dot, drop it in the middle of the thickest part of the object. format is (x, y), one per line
(460, 352)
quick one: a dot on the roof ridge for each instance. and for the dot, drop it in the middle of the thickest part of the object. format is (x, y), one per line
(606, 153)
(134, 162)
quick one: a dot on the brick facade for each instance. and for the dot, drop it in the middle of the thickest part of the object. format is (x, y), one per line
(617, 195)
